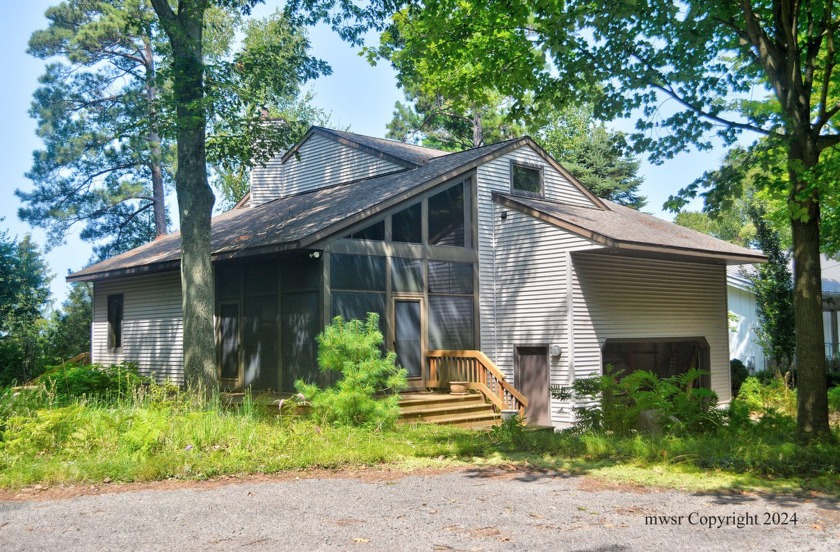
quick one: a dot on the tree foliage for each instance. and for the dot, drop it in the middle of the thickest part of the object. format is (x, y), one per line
(24, 295)
(106, 113)
(772, 284)
(68, 331)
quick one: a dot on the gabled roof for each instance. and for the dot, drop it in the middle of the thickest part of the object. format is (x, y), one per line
(400, 153)
(624, 228)
(298, 221)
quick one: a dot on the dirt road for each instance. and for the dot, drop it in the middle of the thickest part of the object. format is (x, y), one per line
(474, 510)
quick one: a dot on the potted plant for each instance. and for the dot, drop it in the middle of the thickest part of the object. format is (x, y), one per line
(458, 387)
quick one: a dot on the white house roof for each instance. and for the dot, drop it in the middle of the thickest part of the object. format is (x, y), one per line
(736, 276)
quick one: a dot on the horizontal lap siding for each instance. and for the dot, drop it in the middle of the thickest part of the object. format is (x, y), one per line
(267, 181)
(621, 297)
(742, 344)
(320, 162)
(152, 331)
(506, 304)
(531, 303)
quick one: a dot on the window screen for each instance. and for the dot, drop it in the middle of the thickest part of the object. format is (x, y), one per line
(357, 272)
(406, 274)
(406, 225)
(375, 231)
(527, 180)
(446, 217)
(115, 318)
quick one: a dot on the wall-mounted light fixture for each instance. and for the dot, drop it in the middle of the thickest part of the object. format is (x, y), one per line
(315, 255)
(555, 350)
(504, 215)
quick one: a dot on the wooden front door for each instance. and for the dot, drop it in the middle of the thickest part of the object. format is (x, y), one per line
(408, 338)
(530, 377)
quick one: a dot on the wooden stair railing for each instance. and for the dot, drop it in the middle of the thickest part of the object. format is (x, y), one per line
(480, 374)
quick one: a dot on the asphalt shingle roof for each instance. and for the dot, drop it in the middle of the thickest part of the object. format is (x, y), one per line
(287, 223)
(622, 225)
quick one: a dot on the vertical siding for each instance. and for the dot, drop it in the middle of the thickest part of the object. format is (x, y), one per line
(531, 295)
(623, 297)
(152, 332)
(322, 162)
(742, 343)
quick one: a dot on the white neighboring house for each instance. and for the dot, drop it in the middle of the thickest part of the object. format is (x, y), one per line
(740, 298)
(743, 344)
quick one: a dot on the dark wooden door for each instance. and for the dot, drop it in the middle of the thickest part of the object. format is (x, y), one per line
(531, 378)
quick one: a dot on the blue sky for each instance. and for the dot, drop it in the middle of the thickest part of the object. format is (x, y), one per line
(357, 95)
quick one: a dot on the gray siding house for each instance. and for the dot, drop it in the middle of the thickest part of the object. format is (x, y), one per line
(496, 249)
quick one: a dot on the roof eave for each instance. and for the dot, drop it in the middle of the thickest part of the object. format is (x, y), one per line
(610, 242)
(82, 276)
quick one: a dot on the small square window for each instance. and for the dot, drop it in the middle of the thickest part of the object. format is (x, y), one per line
(115, 318)
(526, 180)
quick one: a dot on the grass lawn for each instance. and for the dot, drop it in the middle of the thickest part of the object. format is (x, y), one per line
(148, 438)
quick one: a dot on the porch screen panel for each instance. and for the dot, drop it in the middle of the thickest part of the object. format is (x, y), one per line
(406, 225)
(446, 277)
(406, 275)
(300, 273)
(356, 306)
(229, 340)
(300, 323)
(260, 278)
(446, 217)
(451, 323)
(357, 272)
(260, 342)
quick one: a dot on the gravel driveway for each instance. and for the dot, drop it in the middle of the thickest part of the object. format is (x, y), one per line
(483, 509)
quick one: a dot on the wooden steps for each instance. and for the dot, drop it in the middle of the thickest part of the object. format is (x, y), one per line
(469, 411)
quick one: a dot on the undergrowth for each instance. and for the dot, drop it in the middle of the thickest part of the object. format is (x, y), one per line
(156, 432)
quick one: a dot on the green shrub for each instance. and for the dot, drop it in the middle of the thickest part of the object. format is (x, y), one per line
(626, 404)
(775, 395)
(834, 399)
(366, 393)
(76, 380)
(738, 374)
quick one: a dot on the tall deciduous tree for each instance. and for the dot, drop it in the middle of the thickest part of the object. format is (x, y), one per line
(184, 27)
(688, 70)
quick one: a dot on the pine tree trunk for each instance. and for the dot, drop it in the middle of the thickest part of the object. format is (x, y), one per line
(812, 398)
(195, 198)
(155, 154)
